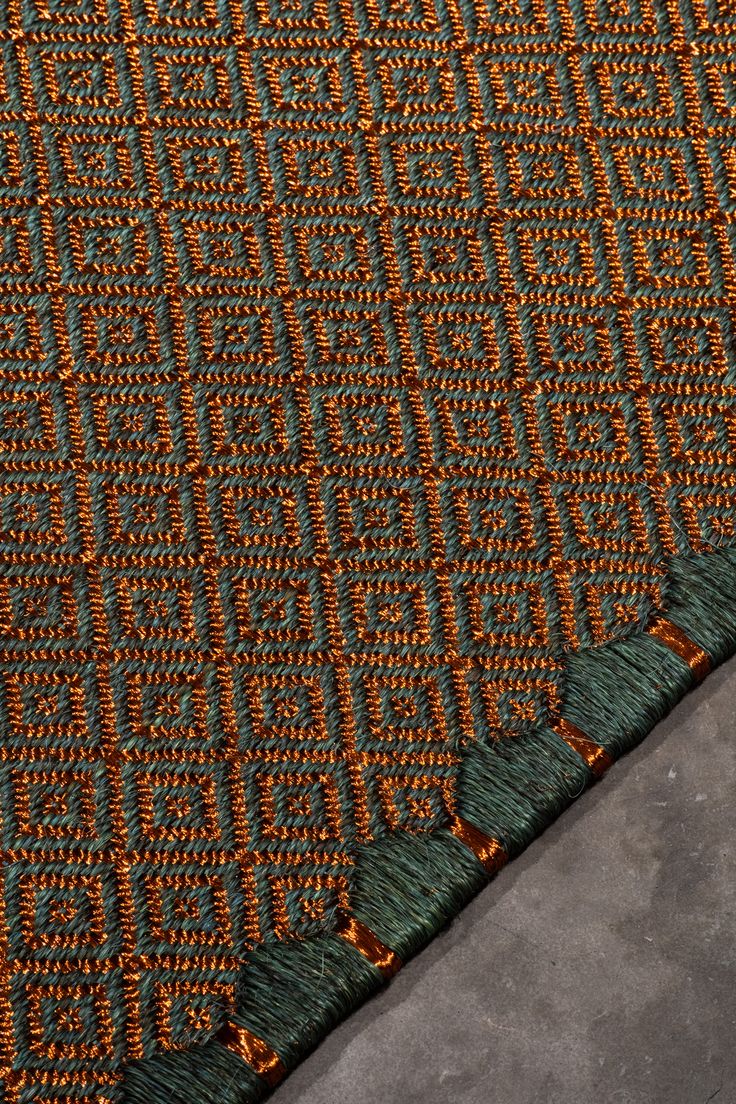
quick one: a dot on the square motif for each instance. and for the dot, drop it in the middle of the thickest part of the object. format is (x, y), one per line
(587, 435)
(109, 248)
(108, 161)
(652, 174)
(409, 802)
(496, 21)
(439, 255)
(382, 611)
(193, 83)
(686, 348)
(303, 905)
(302, 85)
(119, 334)
(610, 521)
(350, 338)
(52, 809)
(38, 516)
(293, 808)
(273, 611)
(17, 173)
(166, 713)
(82, 82)
(302, 20)
(365, 426)
(707, 518)
(695, 435)
(68, 1021)
(498, 614)
(293, 708)
(238, 338)
(61, 913)
(261, 519)
(183, 808)
(78, 16)
(189, 910)
(149, 517)
(673, 260)
(220, 251)
(33, 422)
(208, 164)
(42, 610)
(334, 252)
(187, 1013)
(26, 334)
(156, 609)
(421, 85)
(21, 254)
(431, 171)
(209, 19)
(457, 345)
(401, 711)
(370, 520)
(543, 174)
(563, 343)
(142, 424)
(510, 703)
(612, 606)
(630, 90)
(550, 258)
(474, 428)
(48, 707)
(536, 90)
(248, 427)
(484, 521)
(315, 169)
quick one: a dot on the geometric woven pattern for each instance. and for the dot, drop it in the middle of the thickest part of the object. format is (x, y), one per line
(359, 360)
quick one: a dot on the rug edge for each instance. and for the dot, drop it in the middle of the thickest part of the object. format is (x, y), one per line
(408, 887)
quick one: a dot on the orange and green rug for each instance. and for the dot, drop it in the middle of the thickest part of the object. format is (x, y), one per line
(367, 486)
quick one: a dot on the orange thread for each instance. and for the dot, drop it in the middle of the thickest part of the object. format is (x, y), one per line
(680, 643)
(595, 756)
(489, 852)
(361, 937)
(253, 1051)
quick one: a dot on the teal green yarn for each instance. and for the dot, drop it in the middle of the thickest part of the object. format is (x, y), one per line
(293, 993)
(408, 887)
(357, 371)
(205, 1074)
(702, 600)
(618, 693)
(512, 790)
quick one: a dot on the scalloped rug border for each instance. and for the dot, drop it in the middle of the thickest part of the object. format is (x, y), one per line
(407, 887)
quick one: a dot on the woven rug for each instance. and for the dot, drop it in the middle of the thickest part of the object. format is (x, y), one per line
(368, 453)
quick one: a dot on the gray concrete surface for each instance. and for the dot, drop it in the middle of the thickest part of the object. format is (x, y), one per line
(599, 968)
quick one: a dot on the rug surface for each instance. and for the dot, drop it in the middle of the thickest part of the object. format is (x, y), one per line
(367, 466)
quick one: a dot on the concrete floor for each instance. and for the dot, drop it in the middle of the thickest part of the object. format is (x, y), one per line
(598, 968)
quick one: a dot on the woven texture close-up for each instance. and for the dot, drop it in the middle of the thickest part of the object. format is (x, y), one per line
(367, 487)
